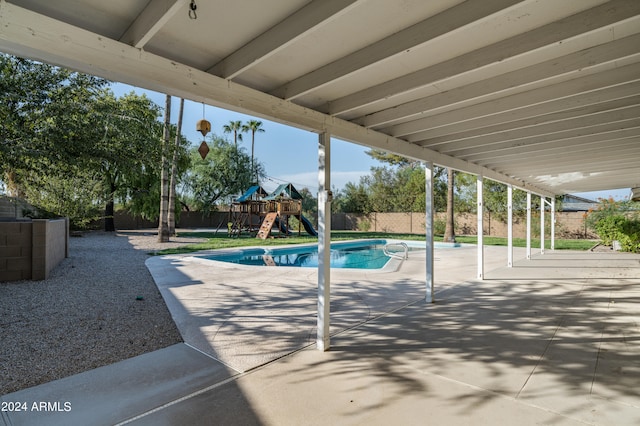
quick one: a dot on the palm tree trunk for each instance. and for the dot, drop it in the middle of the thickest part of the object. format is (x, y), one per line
(253, 137)
(171, 216)
(163, 224)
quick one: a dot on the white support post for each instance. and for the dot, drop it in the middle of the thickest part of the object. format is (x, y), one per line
(509, 226)
(553, 223)
(428, 170)
(528, 226)
(480, 228)
(324, 241)
(542, 202)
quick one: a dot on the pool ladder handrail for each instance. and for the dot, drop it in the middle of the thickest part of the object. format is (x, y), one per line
(405, 256)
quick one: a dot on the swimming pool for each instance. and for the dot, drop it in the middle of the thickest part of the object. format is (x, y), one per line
(363, 254)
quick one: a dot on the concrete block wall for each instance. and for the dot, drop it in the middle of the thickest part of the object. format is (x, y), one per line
(568, 224)
(30, 250)
(15, 251)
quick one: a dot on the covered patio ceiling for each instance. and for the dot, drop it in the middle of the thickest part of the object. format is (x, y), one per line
(541, 94)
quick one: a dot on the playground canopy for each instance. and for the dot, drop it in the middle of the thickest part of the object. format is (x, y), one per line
(251, 194)
(286, 189)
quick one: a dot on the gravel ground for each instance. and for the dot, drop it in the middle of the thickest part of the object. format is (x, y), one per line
(87, 314)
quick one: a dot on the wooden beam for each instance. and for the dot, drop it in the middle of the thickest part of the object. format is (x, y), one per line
(573, 63)
(558, 125)
(29, 34)
(558, 97)
(310, 17)
(555, 32)
(420, 33)
(154, 16)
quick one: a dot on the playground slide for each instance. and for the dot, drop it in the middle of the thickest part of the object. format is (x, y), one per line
(282, 226)
(308, 226)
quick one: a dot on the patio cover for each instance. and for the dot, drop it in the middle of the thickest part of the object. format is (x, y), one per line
(540, 94)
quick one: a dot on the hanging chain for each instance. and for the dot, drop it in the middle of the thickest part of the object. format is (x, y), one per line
(192, 10)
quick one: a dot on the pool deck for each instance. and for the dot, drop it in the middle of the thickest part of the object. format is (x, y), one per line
(553, 340)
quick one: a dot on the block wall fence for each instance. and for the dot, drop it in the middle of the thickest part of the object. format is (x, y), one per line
(568, 224)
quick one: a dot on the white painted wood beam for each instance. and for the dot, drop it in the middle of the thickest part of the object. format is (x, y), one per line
(310, 17)
(154, 16)
(552, 154)
(528, 243)
(509, 226)
(542, 208)
(324, 242)
(553, 223)
(560, 124)
(480, 230)
(608, 85)
(385, 49)
(619, 97)
(555, 32)
(569, 166)
(555, 145)
(468, 150)
(429, 233)
(572, 63)
(29, 34)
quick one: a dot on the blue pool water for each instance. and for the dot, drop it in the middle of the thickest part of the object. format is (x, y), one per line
(356, 255)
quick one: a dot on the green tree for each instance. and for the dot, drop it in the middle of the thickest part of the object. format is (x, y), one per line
(253, 126)
(354, 198)
(126, 147)
(224, 173)
(44, 114)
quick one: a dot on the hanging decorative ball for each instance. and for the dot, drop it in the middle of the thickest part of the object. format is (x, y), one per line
(203, 126)
(203, 150)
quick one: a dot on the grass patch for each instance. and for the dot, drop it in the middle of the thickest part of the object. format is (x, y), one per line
(213, 241)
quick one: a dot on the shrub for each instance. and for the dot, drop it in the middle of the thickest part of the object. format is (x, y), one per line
(616, 220)
(609, 228)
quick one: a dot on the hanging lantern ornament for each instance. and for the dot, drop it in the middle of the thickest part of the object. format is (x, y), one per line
(203, 150)
(204, 127)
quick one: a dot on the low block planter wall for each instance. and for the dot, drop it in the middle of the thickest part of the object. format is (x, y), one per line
(31, 249)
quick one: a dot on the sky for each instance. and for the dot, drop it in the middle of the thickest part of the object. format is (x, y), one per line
(290, 155)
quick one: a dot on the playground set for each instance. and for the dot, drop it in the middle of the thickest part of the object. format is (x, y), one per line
(256, 210)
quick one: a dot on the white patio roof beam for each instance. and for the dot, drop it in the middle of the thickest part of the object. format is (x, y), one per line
(610, 84)
(310, 17)
(39, 37)
(468, 150)
(442, 23)
(154, 16)
(590, 103)
(554, 32)
(560, 124)
(573, 63)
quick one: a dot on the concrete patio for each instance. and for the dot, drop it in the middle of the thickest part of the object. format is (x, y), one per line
(554, 340)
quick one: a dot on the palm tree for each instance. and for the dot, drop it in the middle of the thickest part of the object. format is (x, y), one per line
(234, 127)
(253, 126)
